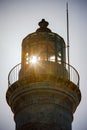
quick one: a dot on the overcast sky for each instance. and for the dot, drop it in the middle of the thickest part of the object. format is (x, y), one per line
(18, 18)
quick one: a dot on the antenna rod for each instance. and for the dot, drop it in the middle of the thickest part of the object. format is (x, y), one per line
(67, 36)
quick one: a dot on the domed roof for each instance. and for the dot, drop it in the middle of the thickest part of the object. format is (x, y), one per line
(42, 33)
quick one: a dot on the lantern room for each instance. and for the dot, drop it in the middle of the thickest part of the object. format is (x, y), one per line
(42, 46)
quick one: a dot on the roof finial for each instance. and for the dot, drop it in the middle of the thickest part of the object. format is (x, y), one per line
(43, 23)
(43, 26)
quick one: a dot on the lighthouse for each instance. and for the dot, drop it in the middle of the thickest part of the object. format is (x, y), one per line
(43, 90)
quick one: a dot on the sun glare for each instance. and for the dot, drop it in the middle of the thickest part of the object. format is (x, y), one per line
(33, 60)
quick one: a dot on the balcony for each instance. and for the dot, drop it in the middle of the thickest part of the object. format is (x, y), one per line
(60, 70)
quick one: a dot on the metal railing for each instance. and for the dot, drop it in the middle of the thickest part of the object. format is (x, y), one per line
(13, 75)
(73, 75)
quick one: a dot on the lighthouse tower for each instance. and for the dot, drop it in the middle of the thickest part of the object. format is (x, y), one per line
(43, 90)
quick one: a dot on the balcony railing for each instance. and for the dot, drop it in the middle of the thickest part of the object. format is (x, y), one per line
(73, 75)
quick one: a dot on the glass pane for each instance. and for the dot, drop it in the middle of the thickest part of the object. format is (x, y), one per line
(52, 58)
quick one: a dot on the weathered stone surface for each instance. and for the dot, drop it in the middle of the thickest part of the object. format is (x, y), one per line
(44, 104)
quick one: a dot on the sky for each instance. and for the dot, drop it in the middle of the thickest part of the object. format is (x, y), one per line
(18, 18)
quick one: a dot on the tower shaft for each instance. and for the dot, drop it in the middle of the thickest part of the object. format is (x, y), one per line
(44, 105)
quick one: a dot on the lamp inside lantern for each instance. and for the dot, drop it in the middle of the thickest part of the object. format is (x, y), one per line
(34, 59)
